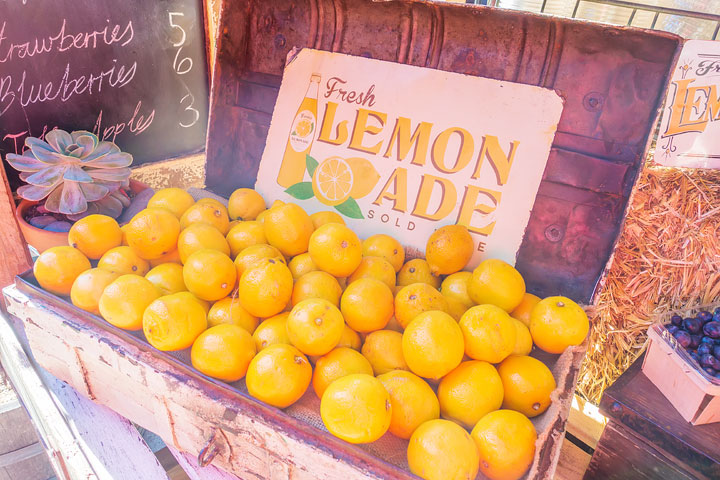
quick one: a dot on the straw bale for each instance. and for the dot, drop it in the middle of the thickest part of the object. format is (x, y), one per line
(667, 257)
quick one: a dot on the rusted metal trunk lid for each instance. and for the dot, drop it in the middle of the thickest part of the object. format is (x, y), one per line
(612, 80)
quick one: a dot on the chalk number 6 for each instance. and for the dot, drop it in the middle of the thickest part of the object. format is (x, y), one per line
(180, 65)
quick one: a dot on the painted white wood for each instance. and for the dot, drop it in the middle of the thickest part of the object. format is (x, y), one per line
(21, 454)
(84, 440)
(195, 471)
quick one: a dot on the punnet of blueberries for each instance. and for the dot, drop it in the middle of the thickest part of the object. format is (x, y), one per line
(699, 335)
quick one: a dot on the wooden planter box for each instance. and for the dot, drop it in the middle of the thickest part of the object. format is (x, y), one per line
(613, 81)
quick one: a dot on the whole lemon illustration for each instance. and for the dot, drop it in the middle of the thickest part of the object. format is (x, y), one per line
(337, 179)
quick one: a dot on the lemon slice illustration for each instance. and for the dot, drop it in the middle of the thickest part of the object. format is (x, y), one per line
(332, 181)
(303, 128)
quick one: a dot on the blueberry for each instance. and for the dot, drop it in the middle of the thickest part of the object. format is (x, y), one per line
(712, 329)
(672, 329)
(716, 351)
(705, 316)
(676, 320)
(695, 356)
(695, 341)
(704, 349)
(708, 340)
(716, 316)
(692, 325)
(717, 311)
(706, 360)
(710, 371)
(683, 338)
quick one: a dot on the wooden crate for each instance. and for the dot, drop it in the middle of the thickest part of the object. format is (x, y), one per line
(612, 80)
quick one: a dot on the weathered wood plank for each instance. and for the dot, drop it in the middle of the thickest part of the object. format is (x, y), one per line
(573, 462)
(585, 422)
(195, 471)
(14, 254)
(84, 440)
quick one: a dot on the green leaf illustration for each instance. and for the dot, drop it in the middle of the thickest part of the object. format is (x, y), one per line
(301, 190)
(293, 133)
(311, 164)
(349, 208)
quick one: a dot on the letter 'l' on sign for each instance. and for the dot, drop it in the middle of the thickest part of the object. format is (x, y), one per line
(404, 150)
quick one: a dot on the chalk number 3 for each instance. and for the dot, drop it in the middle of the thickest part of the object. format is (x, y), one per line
(181, 66)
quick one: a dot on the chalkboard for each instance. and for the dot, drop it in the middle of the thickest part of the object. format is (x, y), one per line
(132, 71)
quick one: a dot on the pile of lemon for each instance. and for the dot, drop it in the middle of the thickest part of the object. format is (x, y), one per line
(420, 348)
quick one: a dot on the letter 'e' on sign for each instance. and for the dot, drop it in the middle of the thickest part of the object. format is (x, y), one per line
(404, 150)
(690, 128)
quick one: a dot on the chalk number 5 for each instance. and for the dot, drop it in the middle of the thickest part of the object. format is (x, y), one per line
(180, 65)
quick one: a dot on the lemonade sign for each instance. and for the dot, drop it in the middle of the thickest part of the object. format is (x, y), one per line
(403, 150)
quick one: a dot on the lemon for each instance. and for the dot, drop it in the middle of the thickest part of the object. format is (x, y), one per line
(432, 344)
(489, 333)
(245, 204)
(442, 450)
(497, 283)
(557, 323)
(506, 444)
(413, 402)
(174, 200)
(335, 249)
(449, 249)
(469, 392)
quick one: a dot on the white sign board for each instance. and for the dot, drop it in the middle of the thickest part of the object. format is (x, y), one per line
(403, 150)
(690, 128)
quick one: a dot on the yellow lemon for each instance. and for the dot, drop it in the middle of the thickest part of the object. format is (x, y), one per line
(383, 349)
(497, 283)
(432, 344)
(278, 375)
(173, 322)
(449, 249)
(385, 246)
(253, 254)
(223, 351)
(265, 288)
(356, 408)
(315, 326)
(245, 204)
(288, 228)
(171, 257)
(123, 260)
(167, 278)
(365, 176)
(153, 232)
(57, 268)
(367, 305)
(301, 264)
(442, 450)
(88, 288)
(94, 235)
(489, 333)
(557, 323)
(245, 234)
(528, 384)
(174, 200)
(455, 286)
(374, 267)
(123, 302)
(332, 181)
(317, 285)
(505, 440)
(416, 298)
(469, 392)
(321, 218)
(198, 236)
(524, 309)
(413, 402)
(211, 212)
(271, 331)
(523, 339)
(209, 274)
(229, 311)
(335, 249)
(338, 363)
(417, 271)
(350, 339)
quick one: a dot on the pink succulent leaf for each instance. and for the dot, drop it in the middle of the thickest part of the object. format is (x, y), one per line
(84, 133)
(25, 175)
(72, 200)
(25, 162)
(93, 191)
(52, 202)
(47, 177)
(86, 141)
(58, 139)
(110, 206)
(122, 198)
(111, 160)
(77, 174)
(92, 208)
(109, 174)
(43, 151)
(102, 149)
(34, 193)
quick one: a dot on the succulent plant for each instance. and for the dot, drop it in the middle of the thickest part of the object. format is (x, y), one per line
(75, 173)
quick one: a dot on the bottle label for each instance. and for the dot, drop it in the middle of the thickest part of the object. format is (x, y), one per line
(302, 132)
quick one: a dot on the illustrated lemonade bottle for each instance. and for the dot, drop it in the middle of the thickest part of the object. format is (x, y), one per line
(301, 137)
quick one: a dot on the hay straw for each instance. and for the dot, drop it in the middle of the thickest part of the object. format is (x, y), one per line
(668, 257)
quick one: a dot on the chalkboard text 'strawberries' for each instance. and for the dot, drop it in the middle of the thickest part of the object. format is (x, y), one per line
(174, 200)
(557, 323)
(449, 249)
(94, 235)
(497, 283)
(245, 204)
(57, 268)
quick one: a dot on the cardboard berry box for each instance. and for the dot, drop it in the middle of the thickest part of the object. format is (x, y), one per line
(612, 81)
